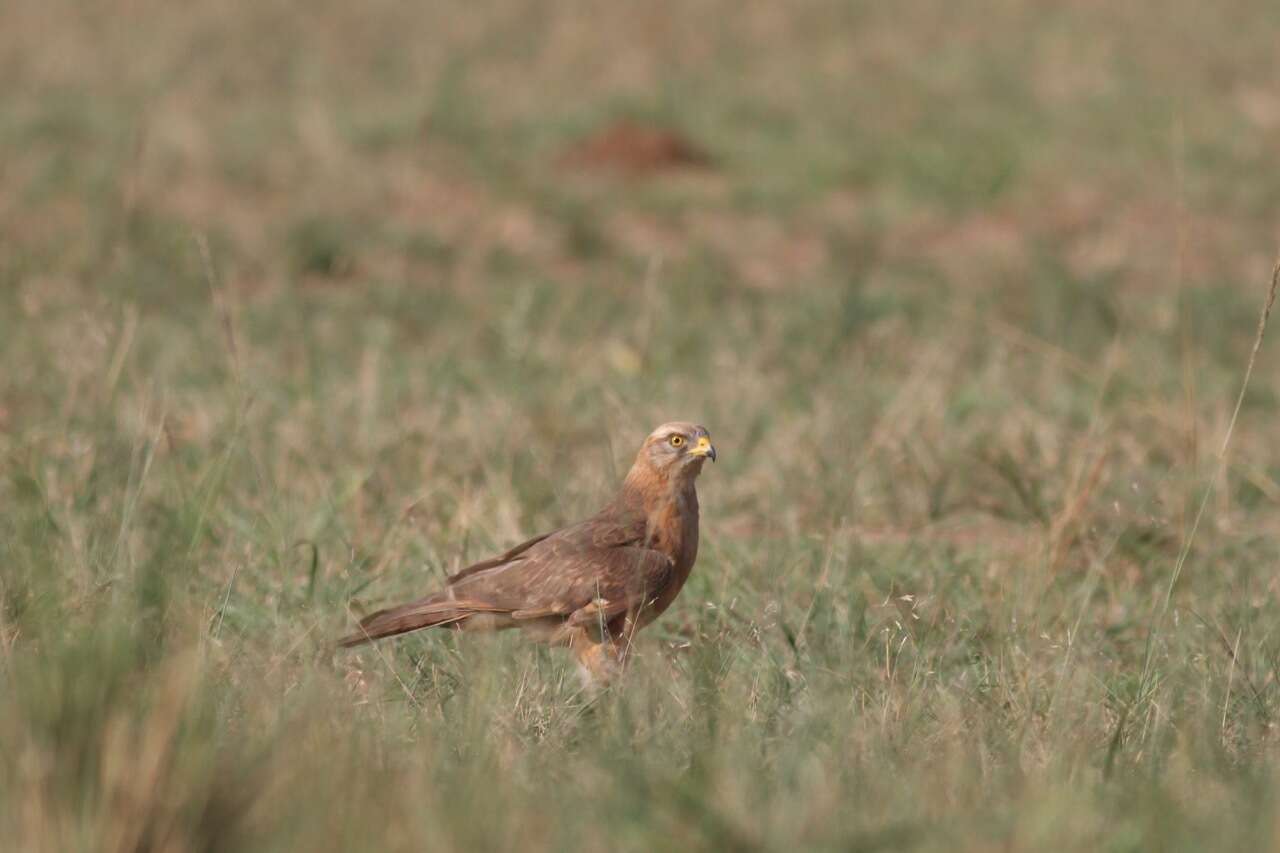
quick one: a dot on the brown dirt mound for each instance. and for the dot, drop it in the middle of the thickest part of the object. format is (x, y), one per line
(635, 149)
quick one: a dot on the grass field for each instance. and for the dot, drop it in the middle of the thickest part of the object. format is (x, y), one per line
(303, 306)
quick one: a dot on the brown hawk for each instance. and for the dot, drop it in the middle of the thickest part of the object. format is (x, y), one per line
(589, 586)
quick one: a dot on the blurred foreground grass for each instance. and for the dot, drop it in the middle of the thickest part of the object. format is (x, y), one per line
(303, 307)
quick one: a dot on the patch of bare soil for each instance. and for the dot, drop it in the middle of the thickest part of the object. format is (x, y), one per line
(635, 149)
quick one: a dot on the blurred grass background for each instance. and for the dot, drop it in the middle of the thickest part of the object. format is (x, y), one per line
(304, 306)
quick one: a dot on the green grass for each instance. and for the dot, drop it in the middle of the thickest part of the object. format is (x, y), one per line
(300, 310)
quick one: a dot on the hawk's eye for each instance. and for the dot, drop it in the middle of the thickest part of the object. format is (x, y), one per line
(677, 441)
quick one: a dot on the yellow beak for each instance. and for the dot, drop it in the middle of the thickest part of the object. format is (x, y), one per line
(703, 448)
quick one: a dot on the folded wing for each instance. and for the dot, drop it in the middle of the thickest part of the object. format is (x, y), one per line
(582, 576)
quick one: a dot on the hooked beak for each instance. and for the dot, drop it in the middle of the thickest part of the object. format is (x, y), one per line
(704, 448)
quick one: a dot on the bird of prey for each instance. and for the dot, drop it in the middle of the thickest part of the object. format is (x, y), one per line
(589, 586)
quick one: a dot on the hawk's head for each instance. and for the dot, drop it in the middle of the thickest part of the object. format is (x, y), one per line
(678, 448)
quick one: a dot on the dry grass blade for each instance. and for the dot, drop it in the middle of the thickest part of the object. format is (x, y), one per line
(1219, 470)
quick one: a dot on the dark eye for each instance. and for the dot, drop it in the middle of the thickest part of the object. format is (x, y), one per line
(677, 441)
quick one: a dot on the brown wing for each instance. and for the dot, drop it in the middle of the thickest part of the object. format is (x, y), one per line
(600, 564)
(609, 528)
(586, 573)
(602, 561)
(506, 557)
(591, 586)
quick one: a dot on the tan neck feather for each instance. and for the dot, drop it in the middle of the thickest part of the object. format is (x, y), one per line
(651, 486)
